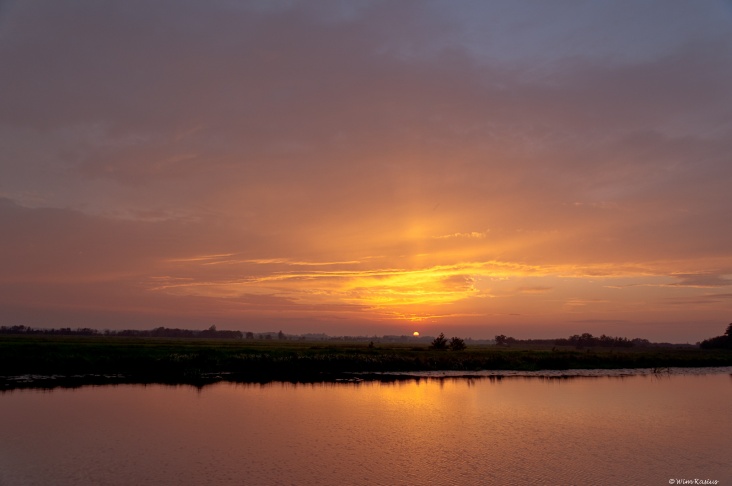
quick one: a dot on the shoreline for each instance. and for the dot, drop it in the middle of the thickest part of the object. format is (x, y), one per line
(43, 362)
(51, 382)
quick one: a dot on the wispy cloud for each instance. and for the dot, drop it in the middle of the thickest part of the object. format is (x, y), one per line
(416, 293)
(471, 234)
(701, 300)
(701, 280)
(534, 290)
(583, 302)
(281, 261)
(201, 258)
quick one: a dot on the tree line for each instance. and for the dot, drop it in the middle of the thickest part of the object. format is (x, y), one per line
(577, 340)
(166, 332)
(587, 340)
(440, 342)
(720, 342)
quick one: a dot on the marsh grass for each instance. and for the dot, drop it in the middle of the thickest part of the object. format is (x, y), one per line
(187, 360)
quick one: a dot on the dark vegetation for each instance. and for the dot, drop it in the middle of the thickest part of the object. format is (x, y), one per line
(720, 342)
(120, 358)
(457, 344)
(440, 342)
(454, 344)
(158, 332)
(587, 340)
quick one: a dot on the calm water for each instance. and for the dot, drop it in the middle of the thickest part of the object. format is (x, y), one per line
(516, 430)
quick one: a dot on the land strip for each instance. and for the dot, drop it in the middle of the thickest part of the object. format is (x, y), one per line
(48, 361)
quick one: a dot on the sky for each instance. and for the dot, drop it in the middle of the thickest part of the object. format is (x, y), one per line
(534, 169)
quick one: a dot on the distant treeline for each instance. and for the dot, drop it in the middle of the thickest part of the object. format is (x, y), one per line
(720, 342)
(211, 332)
(586, 340)
(64, 331)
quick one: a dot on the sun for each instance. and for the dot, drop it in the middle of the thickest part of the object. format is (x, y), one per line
(415, 334)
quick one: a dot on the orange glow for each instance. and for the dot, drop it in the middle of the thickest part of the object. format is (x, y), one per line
(369, 287)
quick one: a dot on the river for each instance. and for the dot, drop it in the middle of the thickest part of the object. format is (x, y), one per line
(593, 428)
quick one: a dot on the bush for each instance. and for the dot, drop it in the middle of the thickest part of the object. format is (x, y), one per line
(440, 342)
(457, 344)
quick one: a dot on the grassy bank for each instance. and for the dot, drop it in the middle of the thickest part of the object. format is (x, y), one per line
(187, 360)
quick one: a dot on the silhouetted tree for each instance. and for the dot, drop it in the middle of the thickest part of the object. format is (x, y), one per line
(457, 344)
(250, 335)
(502, 340)
(719, 342)
(281, 335)
(440, 342)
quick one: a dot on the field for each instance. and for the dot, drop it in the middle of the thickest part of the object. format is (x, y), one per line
(69, 360)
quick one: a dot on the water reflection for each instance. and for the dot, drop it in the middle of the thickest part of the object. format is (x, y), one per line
(553, 429)
(9, 383)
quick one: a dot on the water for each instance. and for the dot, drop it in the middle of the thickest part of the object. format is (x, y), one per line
(642, 429)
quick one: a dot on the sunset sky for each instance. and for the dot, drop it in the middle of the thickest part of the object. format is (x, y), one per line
(535, 169)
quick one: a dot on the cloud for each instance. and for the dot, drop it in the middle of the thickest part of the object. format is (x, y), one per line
(534, 290)
(583, 302)
(599, 321)
(64, 244)
(701, 300)
(701, 280)
(273, 144)
(471, 234)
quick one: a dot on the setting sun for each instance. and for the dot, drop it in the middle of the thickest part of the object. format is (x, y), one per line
(415, 334)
